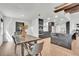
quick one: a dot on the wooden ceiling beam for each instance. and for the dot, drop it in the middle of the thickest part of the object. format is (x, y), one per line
(60, 6)
(73, 9)
(64, 7)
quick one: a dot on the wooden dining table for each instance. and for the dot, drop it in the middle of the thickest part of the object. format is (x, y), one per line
(26, 39)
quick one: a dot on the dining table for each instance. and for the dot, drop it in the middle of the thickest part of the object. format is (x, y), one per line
(27, 39)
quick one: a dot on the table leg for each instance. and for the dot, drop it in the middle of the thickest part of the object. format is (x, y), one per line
(22, 50)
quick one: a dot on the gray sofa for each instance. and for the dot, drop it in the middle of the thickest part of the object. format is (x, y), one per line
(61, 39)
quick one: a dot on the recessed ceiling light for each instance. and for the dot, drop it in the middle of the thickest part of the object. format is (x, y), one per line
(48, 18)
(56, 16)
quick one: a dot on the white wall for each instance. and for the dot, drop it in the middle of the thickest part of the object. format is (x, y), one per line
(33, 29)
(61, 28)
(1, 32)
(74, 20)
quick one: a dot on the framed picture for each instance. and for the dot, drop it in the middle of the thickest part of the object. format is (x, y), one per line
(19, 26)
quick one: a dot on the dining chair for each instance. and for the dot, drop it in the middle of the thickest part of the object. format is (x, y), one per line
(35, 49)
(16, 43)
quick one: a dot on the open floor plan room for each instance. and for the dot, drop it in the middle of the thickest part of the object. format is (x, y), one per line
(39, 29)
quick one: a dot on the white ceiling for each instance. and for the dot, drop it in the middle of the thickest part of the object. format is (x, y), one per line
(28, 11)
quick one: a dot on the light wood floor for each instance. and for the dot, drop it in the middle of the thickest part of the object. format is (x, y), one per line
(7, 49)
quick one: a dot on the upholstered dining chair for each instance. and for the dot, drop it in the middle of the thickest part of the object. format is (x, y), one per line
(35, 49)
